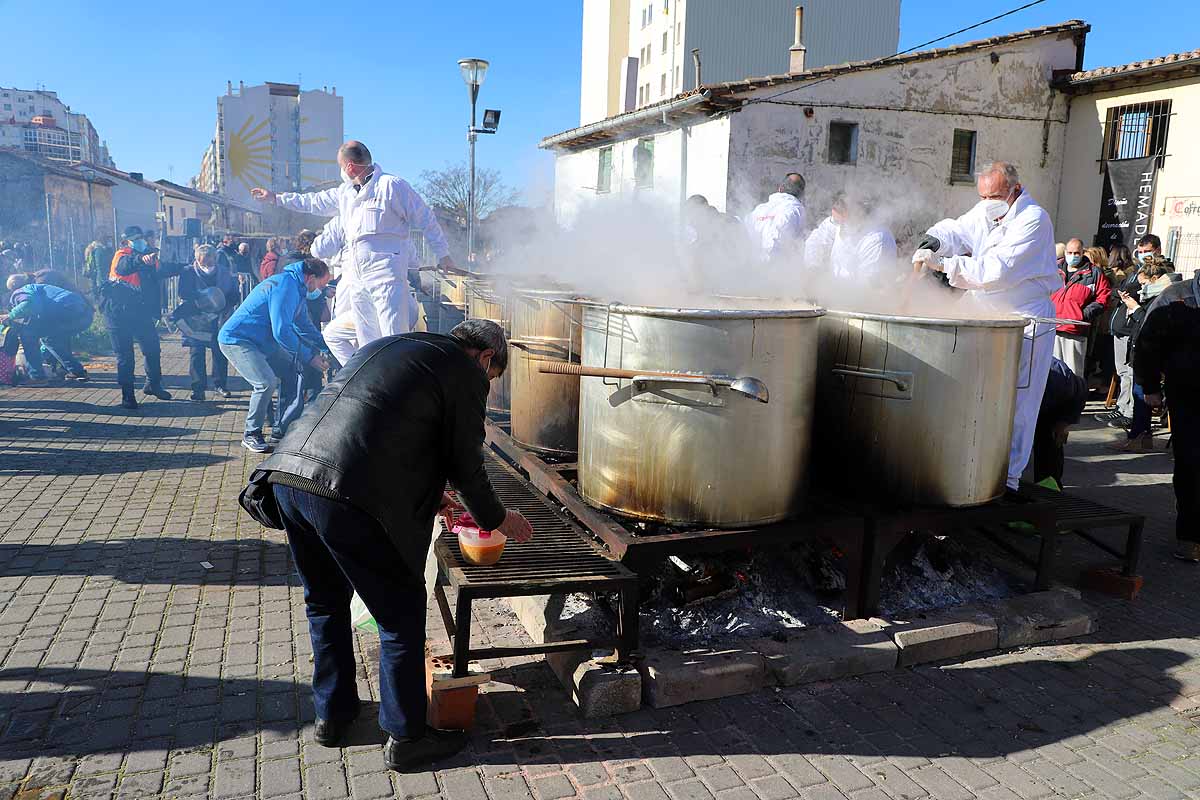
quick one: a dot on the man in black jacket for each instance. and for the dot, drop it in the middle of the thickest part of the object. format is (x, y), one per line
(359, 478)
(199, 321)
(1062, 405)
(1168, 344)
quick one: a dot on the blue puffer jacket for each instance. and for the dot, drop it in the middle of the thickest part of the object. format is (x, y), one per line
(41, 302)
(275, 318)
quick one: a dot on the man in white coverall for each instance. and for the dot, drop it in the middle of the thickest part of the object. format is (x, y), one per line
(779, 225)
(1011, 264)
(375, 211)
(851, 247)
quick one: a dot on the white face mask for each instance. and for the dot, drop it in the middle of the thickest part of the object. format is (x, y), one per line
(993, 210)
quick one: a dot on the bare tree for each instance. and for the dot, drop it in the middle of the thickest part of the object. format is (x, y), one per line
(449, 189)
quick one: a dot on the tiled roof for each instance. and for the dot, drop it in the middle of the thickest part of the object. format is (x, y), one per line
(1162, 63)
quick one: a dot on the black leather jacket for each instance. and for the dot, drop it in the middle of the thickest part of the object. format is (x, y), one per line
(402, 418)
(1168, 343)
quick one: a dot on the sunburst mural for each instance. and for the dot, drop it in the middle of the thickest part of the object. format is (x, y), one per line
(249, 154)
(305, 144)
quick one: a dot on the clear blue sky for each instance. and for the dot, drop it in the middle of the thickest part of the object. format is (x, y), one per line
(148, 73)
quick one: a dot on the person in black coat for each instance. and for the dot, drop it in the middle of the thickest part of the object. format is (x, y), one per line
(1167, 360)
(199, 322)
(358, 479)
(1062, 405)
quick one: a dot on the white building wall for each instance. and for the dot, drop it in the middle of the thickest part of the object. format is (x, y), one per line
(321, 135)
(906, 115)
(1177, 186)
(904, 155)
(132, 205)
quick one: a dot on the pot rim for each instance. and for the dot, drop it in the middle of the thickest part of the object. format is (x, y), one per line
(995, 322)
(707, 313)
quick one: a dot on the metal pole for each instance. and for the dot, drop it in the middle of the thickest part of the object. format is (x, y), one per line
(91, 214)
(471, 190)
(49, 236)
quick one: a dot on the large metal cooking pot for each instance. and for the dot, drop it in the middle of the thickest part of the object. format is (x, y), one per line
(486, 301)
(918, 411)
(546, 326)
(691, 450)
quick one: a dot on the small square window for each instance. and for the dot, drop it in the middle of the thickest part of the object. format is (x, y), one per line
(604, 170)
(962, 157)
(843, 142)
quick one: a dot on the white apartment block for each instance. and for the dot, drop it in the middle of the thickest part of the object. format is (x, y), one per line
(639, 52)
(275, 136)
(37, 122)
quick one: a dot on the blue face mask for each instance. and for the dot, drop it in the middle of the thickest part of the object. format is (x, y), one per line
(1140, 256)
(1073, 259)
(139, 245)
(315, 293)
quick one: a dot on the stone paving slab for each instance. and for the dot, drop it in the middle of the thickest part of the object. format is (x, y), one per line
(127, 668)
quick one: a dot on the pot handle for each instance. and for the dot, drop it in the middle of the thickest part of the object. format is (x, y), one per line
(901, 385)
(641, 381)
(1033, 338)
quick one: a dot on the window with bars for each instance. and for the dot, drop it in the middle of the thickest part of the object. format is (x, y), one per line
(1137, 131)
(962, 156)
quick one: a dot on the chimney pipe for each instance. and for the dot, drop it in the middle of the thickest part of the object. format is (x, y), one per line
(798, 51)
(228, 88)
(696, 62)
(241, 87)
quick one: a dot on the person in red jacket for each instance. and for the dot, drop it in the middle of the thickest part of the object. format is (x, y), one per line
(270, 262)
(1083, 296)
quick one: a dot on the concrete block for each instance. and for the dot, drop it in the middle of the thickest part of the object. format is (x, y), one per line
(1041, 617)
(829, 652)
(541, 616)
(600, 689)
(672, 678)
(942, 635)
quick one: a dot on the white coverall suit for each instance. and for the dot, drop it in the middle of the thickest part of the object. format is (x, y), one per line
(1012, 266)
(865, 257)
(778, 225)
(373, 225)
(355, 323)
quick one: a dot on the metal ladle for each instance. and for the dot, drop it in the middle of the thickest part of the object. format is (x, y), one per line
(745, 386)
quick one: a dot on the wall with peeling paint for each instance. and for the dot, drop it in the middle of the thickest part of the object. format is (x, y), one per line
(906, 115)
(1177, 187)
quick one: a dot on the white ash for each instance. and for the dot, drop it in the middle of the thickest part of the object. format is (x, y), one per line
(929, 572)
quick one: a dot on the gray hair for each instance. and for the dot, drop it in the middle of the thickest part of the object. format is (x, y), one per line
(1009, 171)
(483, 334)
(355, 153)
(202, 252)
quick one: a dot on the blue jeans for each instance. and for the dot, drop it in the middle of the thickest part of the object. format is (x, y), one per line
(291, 394)
(1141, 414)
(339, 550)
(253, 365)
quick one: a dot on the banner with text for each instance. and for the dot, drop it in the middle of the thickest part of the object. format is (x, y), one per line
(1127, 202)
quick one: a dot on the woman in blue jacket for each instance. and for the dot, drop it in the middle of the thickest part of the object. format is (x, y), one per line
(270, 334)
(47, 316)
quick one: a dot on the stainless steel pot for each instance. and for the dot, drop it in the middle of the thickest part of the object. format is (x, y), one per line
(689, 450)
(915, 410)
(486, 301)
(546, 327)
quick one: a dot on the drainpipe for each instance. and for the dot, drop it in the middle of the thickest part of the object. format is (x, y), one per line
(696, 61)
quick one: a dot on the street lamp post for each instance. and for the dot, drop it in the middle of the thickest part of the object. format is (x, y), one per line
(473, 71)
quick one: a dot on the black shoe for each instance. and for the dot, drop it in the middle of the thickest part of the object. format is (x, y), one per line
(129, 401)
(156, 391)
(221, 390)
(81, 375)
(328, 733)
(413, 755)
(254, 442)
(1121, 422)
(197, 397)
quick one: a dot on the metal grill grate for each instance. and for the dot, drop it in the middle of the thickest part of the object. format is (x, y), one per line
(557, 553)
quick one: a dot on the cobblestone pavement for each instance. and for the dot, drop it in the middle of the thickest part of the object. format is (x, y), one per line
(153, 643)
